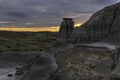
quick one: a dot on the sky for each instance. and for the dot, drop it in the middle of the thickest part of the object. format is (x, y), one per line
(42, 13)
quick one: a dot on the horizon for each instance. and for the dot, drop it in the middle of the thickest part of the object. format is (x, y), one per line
(34, 29)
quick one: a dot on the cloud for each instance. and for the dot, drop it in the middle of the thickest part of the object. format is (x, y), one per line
(118, 0)
(4, 22)
(49, 12)
(17, 14)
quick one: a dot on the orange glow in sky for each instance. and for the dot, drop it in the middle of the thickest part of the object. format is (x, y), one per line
(52, 29)
(78, 24)
(33, 29)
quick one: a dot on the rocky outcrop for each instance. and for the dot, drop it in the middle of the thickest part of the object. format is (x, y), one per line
(104, 25)
(26, 65)
(66, 29)
(96, 56)
(97, 60)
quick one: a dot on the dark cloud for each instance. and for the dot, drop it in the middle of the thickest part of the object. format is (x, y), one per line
(17, 14)
(49, 12)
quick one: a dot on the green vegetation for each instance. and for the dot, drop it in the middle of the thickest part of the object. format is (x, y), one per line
(26, 41)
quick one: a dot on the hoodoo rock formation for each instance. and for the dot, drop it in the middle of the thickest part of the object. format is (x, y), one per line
(104, 25)
(66, 28)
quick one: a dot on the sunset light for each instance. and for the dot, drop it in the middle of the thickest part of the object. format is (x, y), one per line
(78, 24)
(59, 39)
(33, 29)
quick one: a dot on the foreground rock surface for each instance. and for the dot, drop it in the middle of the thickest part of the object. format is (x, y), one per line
(26, 65)
(82, 63)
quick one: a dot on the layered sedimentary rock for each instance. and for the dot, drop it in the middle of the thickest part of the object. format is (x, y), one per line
(103, 25)
(66, 28)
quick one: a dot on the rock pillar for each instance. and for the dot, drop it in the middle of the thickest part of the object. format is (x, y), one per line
(66, 28)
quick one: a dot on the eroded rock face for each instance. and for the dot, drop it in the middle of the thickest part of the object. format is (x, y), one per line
(26, 65)
(103, 25)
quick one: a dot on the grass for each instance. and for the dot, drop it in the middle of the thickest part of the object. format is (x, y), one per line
(26, 41)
